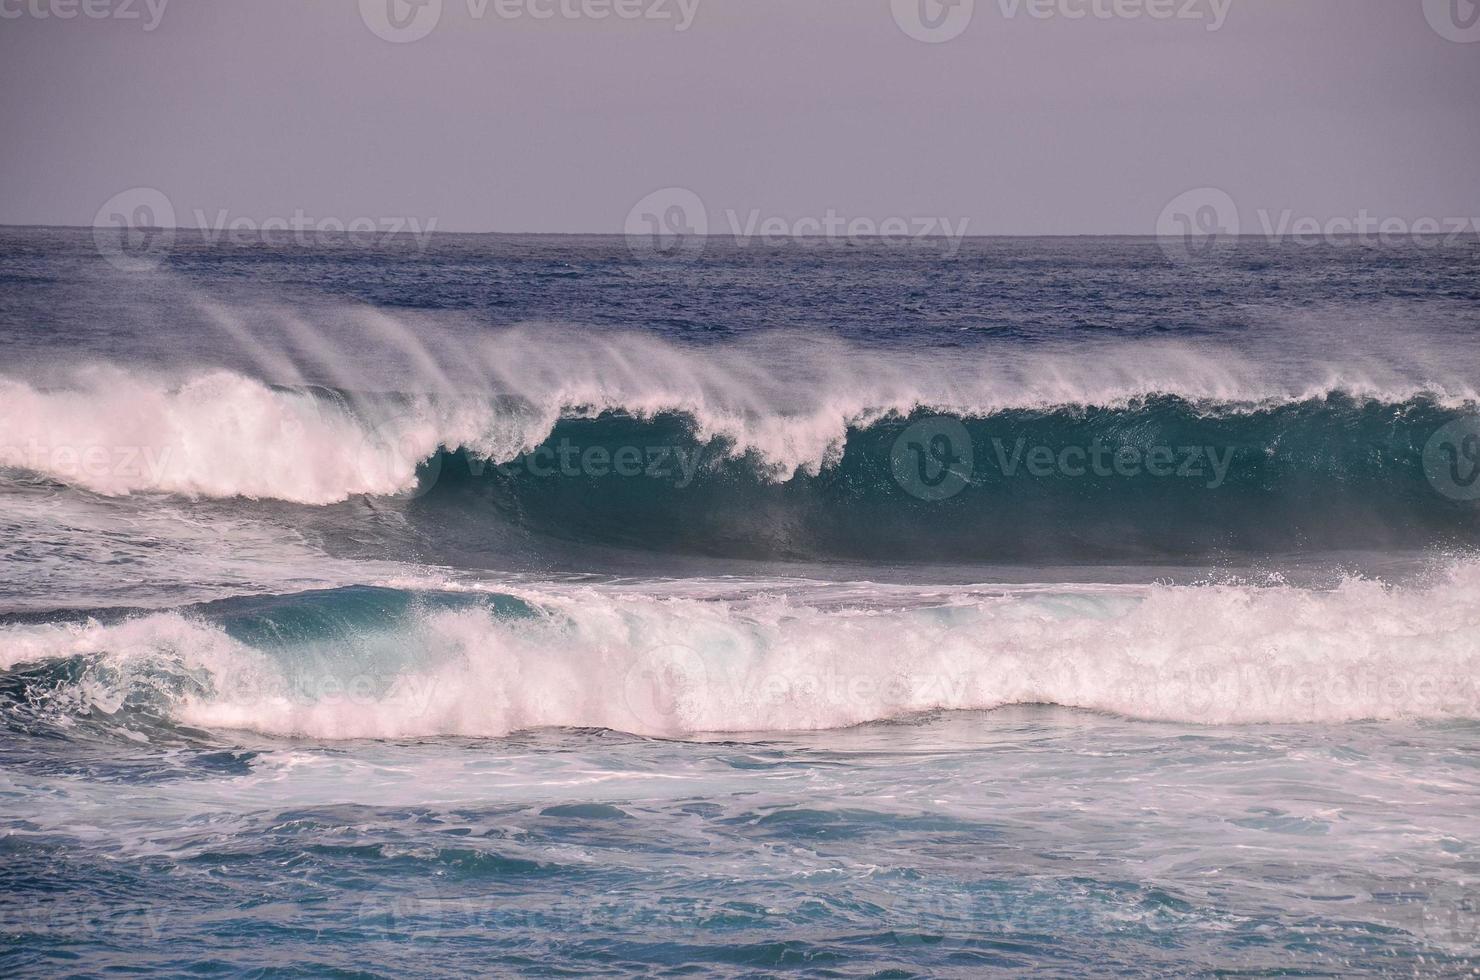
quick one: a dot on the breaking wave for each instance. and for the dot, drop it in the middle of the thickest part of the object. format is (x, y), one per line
(398, 662)
(1141, 475)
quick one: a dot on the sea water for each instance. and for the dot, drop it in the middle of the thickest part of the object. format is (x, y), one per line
(533, 604)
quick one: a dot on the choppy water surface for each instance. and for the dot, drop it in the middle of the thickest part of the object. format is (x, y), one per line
(520, 605)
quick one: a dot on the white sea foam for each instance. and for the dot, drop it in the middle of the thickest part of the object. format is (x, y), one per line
(220, 434)
(790, 404)
(661, 665)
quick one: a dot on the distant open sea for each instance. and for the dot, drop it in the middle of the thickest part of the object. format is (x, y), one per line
(545, 605)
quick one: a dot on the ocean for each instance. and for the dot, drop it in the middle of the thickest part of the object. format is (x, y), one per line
(413, 606)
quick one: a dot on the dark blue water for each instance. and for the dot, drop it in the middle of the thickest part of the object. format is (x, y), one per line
(534, 604)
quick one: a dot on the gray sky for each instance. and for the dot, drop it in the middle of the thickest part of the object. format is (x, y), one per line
(789, 108)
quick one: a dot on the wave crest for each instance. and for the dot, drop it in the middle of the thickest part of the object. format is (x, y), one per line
(506, 659)
(220, 434)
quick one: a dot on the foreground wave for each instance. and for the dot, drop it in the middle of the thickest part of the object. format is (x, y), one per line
(397, 662)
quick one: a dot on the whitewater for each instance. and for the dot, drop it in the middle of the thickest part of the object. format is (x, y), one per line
(586, 657)
(373, 602)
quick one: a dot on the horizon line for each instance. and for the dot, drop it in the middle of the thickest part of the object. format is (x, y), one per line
(224, 233)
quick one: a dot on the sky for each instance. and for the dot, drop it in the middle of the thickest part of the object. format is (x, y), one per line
(1014, 116)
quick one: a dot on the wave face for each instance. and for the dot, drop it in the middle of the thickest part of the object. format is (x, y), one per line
(879, 475)
(1163, 479)
(397, 662)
